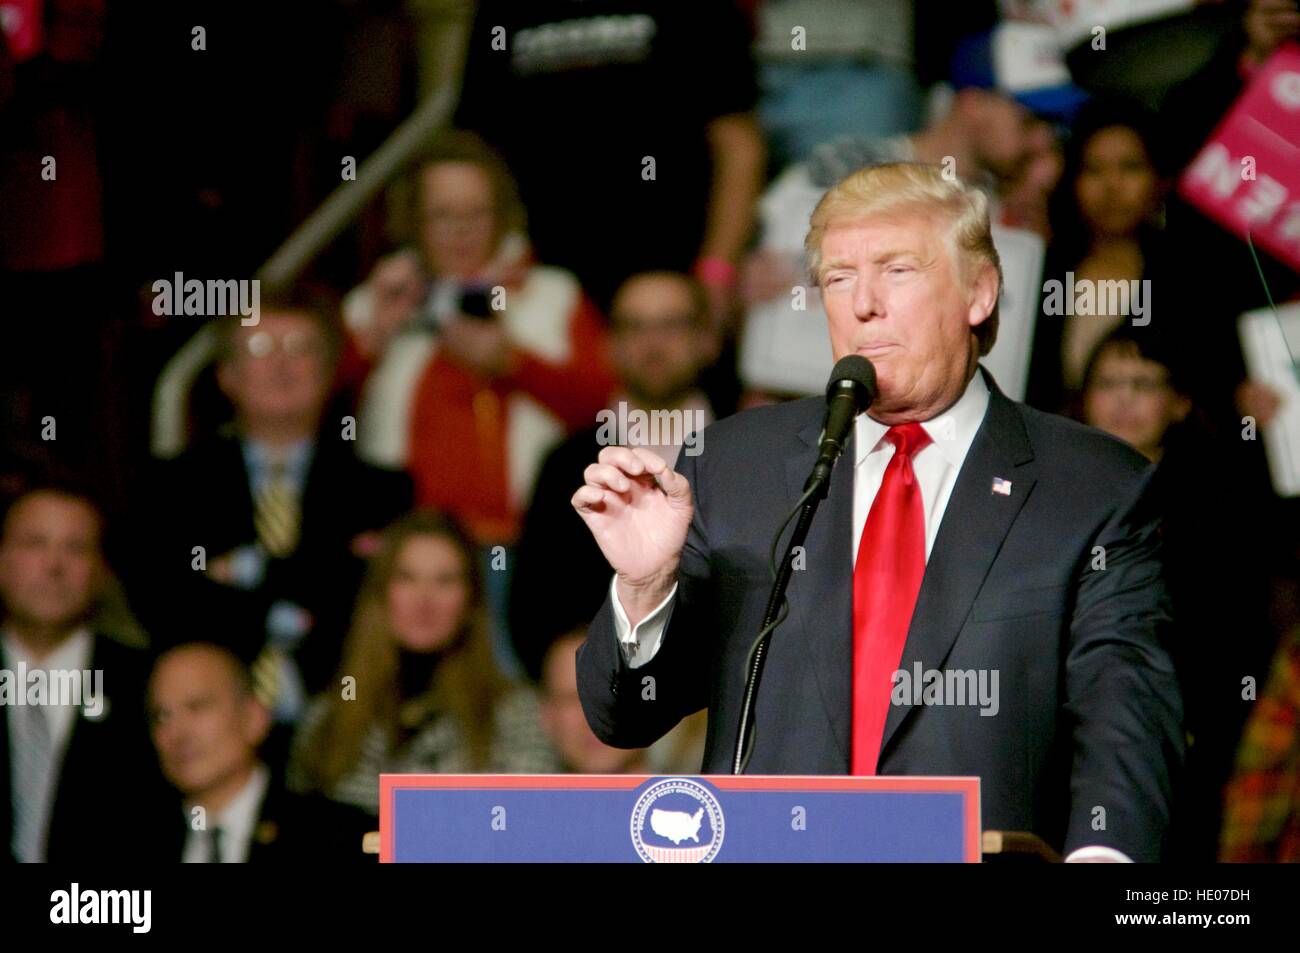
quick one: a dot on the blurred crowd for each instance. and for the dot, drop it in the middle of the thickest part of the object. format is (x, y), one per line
(338, 542)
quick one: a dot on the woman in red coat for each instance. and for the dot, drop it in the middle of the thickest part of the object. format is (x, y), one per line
(479, 360)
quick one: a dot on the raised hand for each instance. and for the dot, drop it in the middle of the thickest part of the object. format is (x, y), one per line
(638, 509)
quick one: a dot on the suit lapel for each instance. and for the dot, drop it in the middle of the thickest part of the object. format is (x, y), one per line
(81, 761)
(821, 596)
(231, 519)
(262, 847)
(975, 523)
(318, 489)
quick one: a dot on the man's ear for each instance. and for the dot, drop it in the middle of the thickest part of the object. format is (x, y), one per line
(101, 579)
(967, 101)
(227, 379)
(961, 99)
(983, 294)
(257, 723)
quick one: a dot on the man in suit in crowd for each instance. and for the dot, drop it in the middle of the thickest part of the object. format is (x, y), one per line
(207, 726)
(281, 507)
(995, 546)
(78, 778)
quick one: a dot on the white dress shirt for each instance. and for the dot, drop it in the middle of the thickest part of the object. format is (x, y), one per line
(237, 821)
(936, 466)
(73, 654)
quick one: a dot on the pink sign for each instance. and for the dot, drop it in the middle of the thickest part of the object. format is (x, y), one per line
(1247, 176)
(20, 21)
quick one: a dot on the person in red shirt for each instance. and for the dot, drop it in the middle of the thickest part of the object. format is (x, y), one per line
(480, 359)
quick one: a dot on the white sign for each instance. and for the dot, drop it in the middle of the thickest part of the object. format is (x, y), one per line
(1027, 56)
(1076, 19)
(1264, 342)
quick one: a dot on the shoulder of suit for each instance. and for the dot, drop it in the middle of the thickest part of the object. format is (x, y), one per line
(312, 825)
(1060, 445)
(198, 456)
(768, 425)
(126, 671)
(109, 651)
(336, 453)
(1060, 442)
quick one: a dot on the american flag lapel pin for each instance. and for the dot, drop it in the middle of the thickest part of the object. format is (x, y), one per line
(1002, 486)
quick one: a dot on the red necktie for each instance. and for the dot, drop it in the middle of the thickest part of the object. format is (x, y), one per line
(886, 580)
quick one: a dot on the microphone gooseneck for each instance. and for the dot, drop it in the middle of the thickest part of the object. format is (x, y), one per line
(851, 390)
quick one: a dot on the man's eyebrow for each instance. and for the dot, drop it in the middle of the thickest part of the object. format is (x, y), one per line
(890, 254)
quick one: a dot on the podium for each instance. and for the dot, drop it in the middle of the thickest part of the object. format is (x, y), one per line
(573, 818)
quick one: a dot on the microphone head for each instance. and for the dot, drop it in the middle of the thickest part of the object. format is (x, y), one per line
(853, 374)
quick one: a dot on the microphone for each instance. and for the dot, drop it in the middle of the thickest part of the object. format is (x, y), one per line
(852, 389)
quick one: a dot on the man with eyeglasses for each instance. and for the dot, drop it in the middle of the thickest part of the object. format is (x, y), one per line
(256, 533)
(1129, 395)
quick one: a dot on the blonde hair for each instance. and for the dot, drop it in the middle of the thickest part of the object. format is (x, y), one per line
(458, 146)
(901, 187)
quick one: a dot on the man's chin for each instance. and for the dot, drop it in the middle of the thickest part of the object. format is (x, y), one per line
(59, 618)
(668, 394)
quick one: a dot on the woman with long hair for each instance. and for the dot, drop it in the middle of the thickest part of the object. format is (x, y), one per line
(1106, 223)
(417, 691)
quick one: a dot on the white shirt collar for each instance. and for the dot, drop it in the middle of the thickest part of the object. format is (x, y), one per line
(239, 818)
(952, 431)
(73, 653)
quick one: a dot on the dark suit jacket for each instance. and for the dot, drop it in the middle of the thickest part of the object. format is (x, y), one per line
(291, 829)
(553, 528)
(202, 498)
(110, 793)
(1090, 714)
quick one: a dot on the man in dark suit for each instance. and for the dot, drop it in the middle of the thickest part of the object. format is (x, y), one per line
(253, 538)
(78, 780)
(1006, 559)
(207, 726)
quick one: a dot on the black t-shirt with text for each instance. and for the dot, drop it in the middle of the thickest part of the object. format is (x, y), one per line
(600, 107)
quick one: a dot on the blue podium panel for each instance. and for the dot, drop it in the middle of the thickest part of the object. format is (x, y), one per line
(505, 818)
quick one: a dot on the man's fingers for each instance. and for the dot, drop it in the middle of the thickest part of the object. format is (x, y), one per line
(587, 497)
(625, 458)
(607, 475)
(620, 466)
(675, 485)
(651, 462)
(633, 461)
